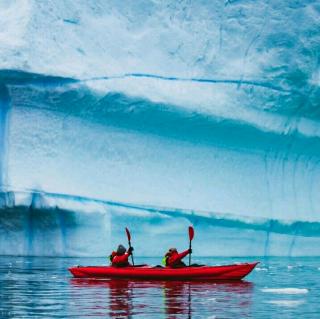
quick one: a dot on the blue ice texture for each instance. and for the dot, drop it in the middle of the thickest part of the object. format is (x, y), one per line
(155, 115)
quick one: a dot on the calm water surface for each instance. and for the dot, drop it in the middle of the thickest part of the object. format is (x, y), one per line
(43, 288)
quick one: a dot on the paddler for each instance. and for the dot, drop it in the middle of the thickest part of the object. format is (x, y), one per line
(120, 257)
(173, 259)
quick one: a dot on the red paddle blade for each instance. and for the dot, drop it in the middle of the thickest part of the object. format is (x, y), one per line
(191, 233)
(128, 234)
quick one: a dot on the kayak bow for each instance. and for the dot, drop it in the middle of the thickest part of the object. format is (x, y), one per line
(227, 272)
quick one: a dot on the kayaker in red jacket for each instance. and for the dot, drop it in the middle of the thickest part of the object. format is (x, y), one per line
(173, 259)
(120, 257)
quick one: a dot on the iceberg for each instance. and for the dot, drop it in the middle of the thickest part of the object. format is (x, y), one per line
(157, 115)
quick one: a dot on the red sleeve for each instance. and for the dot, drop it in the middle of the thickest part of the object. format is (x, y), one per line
(183, 254)
(177, 257)
(120, 259)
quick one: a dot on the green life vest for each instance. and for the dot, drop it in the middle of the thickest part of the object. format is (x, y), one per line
(164, 261)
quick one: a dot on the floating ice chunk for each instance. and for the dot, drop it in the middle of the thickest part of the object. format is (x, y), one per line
(286, 291)
(286, 303)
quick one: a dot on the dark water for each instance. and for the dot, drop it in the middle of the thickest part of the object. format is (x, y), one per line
(43, 288)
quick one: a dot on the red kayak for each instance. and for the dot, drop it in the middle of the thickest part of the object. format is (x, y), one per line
(228, 272)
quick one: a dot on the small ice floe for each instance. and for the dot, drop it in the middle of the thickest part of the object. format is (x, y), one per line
(290, 267)
(286, 303)
(286, 291)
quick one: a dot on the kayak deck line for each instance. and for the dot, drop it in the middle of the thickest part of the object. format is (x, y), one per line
(225, 272)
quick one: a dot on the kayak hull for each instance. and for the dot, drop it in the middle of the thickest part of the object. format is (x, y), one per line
(212, 273)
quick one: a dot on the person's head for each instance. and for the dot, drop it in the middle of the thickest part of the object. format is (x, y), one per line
(171, 251)
(121, 250)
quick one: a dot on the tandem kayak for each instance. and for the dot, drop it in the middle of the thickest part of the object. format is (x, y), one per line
(227, 272)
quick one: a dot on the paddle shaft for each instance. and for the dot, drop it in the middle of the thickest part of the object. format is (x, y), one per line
(131, 253)
(191, 235)
(190, 253)
(129, 242)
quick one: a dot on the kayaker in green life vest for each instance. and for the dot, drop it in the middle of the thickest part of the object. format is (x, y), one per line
(120, 257)
(173, 259)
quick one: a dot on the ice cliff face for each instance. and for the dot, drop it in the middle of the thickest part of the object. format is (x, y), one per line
(158, 114)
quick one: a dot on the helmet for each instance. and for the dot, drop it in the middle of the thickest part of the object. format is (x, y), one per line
(121, 250)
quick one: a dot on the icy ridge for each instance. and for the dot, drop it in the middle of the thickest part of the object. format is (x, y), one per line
(42, 224)
(40, 200)
(278, 121)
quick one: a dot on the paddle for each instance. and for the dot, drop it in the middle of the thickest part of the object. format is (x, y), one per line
(191, 235)
(129, 242)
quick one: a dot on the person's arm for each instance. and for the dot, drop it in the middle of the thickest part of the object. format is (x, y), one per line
(183, 254)
(177, 257)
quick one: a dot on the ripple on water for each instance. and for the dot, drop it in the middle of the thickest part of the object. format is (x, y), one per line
(261, 269)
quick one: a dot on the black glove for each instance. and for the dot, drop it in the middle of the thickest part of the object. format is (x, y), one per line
(130, 250)
(190, 251)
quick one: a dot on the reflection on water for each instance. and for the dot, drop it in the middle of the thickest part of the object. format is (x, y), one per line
(174, 299)
(43, 288)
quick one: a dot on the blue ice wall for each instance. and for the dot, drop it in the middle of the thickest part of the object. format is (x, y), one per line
(4, 108)
(157, 115)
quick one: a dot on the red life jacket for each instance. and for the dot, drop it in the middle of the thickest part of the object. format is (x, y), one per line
(121, 261)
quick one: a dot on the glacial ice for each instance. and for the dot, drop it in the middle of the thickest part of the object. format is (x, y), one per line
(155, 115)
